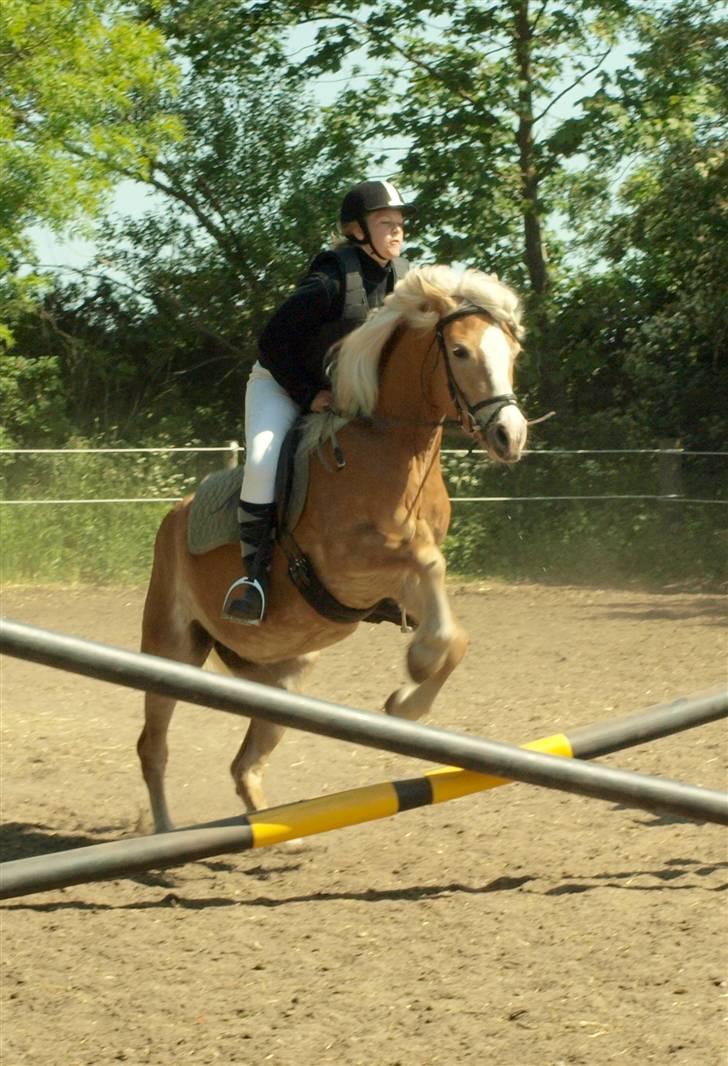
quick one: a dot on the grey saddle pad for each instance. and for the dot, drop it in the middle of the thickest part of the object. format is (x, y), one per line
(213, 519)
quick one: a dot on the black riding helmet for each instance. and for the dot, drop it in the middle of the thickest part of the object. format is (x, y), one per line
(371, 196)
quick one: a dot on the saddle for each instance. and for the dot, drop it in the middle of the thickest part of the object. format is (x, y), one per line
(213, 522)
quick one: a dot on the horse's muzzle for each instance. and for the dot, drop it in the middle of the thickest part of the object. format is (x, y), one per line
(505, 436)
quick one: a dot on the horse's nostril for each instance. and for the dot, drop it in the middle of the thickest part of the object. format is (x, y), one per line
(501, 439)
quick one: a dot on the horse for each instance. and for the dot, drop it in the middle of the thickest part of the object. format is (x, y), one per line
(442, 347)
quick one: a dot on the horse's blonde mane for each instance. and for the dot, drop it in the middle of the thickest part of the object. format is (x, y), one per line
(422, 297)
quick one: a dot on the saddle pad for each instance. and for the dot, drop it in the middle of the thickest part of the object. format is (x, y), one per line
(213, 519)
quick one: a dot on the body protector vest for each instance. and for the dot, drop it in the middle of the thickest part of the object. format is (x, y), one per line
(356, 306)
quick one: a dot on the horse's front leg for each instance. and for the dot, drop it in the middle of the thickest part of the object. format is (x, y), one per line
(415, 700)
(430, 604)
(439, 642)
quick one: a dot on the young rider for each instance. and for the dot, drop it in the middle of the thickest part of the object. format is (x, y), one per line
(340, 289)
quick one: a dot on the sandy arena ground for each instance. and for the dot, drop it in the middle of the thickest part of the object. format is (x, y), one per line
(520, 927)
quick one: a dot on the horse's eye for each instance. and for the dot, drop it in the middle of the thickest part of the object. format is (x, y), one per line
(461, 352)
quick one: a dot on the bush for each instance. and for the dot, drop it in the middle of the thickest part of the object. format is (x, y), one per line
(650, 541)
(84, 542)
(565, 541)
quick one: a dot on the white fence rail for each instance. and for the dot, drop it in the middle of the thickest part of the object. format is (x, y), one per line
(234, 450)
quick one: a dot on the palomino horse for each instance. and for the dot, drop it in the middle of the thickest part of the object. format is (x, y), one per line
(443, 346)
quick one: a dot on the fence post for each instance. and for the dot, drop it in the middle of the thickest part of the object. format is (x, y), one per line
(233, 459)
(670, 481)
(669, 467)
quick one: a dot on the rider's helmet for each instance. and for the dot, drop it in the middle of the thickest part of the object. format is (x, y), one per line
(370, 196)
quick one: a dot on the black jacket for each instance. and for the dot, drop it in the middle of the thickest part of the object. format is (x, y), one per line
(296, 338)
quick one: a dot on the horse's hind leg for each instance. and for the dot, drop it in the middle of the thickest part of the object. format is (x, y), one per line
(251, 760)
(189, 644)
(262, 736)
(152, 751)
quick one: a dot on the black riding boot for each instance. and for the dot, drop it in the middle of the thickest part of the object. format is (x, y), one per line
(247, 598)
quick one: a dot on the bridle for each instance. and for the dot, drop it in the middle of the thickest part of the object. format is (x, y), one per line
(467, 412)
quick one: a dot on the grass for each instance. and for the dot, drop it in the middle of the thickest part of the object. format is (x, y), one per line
(610, 542)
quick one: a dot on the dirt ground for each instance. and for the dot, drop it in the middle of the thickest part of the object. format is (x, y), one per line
(519, 926)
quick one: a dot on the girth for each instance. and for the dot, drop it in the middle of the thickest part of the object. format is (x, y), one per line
(303, 575)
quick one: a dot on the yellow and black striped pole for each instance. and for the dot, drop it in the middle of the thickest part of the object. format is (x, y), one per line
(367, 804)
(352, 807)
(480, 758)
(121, 858)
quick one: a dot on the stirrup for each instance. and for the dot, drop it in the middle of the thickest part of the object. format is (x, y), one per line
(245, 602)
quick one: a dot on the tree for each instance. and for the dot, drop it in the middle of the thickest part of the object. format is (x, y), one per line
(83, 91)
(513, 117)
(472, 89)
(167, 315)
(478, 95)
(644, 320)
(249, 198)
(666, 242)
(166, 319)
(472, 93)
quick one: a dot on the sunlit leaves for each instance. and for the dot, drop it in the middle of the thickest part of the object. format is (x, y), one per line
(83, 89)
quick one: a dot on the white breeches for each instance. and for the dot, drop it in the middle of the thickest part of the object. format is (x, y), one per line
(269, 414)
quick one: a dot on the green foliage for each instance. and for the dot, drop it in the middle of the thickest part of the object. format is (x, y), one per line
(608, 541)
(473, 93)
(249, 197)
(598, 544)
(96, 543)
(576, 149)
(82, 91)
(32, 402)
(572, 541)
(514, 115)
(109, 544)
(646, 338)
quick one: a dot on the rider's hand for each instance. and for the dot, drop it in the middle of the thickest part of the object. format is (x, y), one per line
(322, 401)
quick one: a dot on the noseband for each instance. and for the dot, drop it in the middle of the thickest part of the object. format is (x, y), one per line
(466, 410)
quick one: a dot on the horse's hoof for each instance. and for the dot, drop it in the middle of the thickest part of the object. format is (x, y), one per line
(403, 703)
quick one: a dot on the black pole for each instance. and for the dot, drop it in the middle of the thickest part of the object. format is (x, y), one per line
(151, 673)
(662, 720)
(120, 858)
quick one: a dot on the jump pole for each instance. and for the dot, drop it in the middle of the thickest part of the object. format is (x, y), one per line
(352, 807)
(246, 698)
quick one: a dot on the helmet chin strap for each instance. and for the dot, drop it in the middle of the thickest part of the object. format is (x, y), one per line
(367, 240)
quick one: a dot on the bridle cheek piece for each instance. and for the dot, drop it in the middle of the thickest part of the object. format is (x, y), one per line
(467, 411)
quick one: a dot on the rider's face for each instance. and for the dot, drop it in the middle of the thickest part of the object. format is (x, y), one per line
(386, 229)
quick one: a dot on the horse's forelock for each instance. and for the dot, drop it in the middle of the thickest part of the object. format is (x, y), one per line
(431, 291)
(487, 291)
